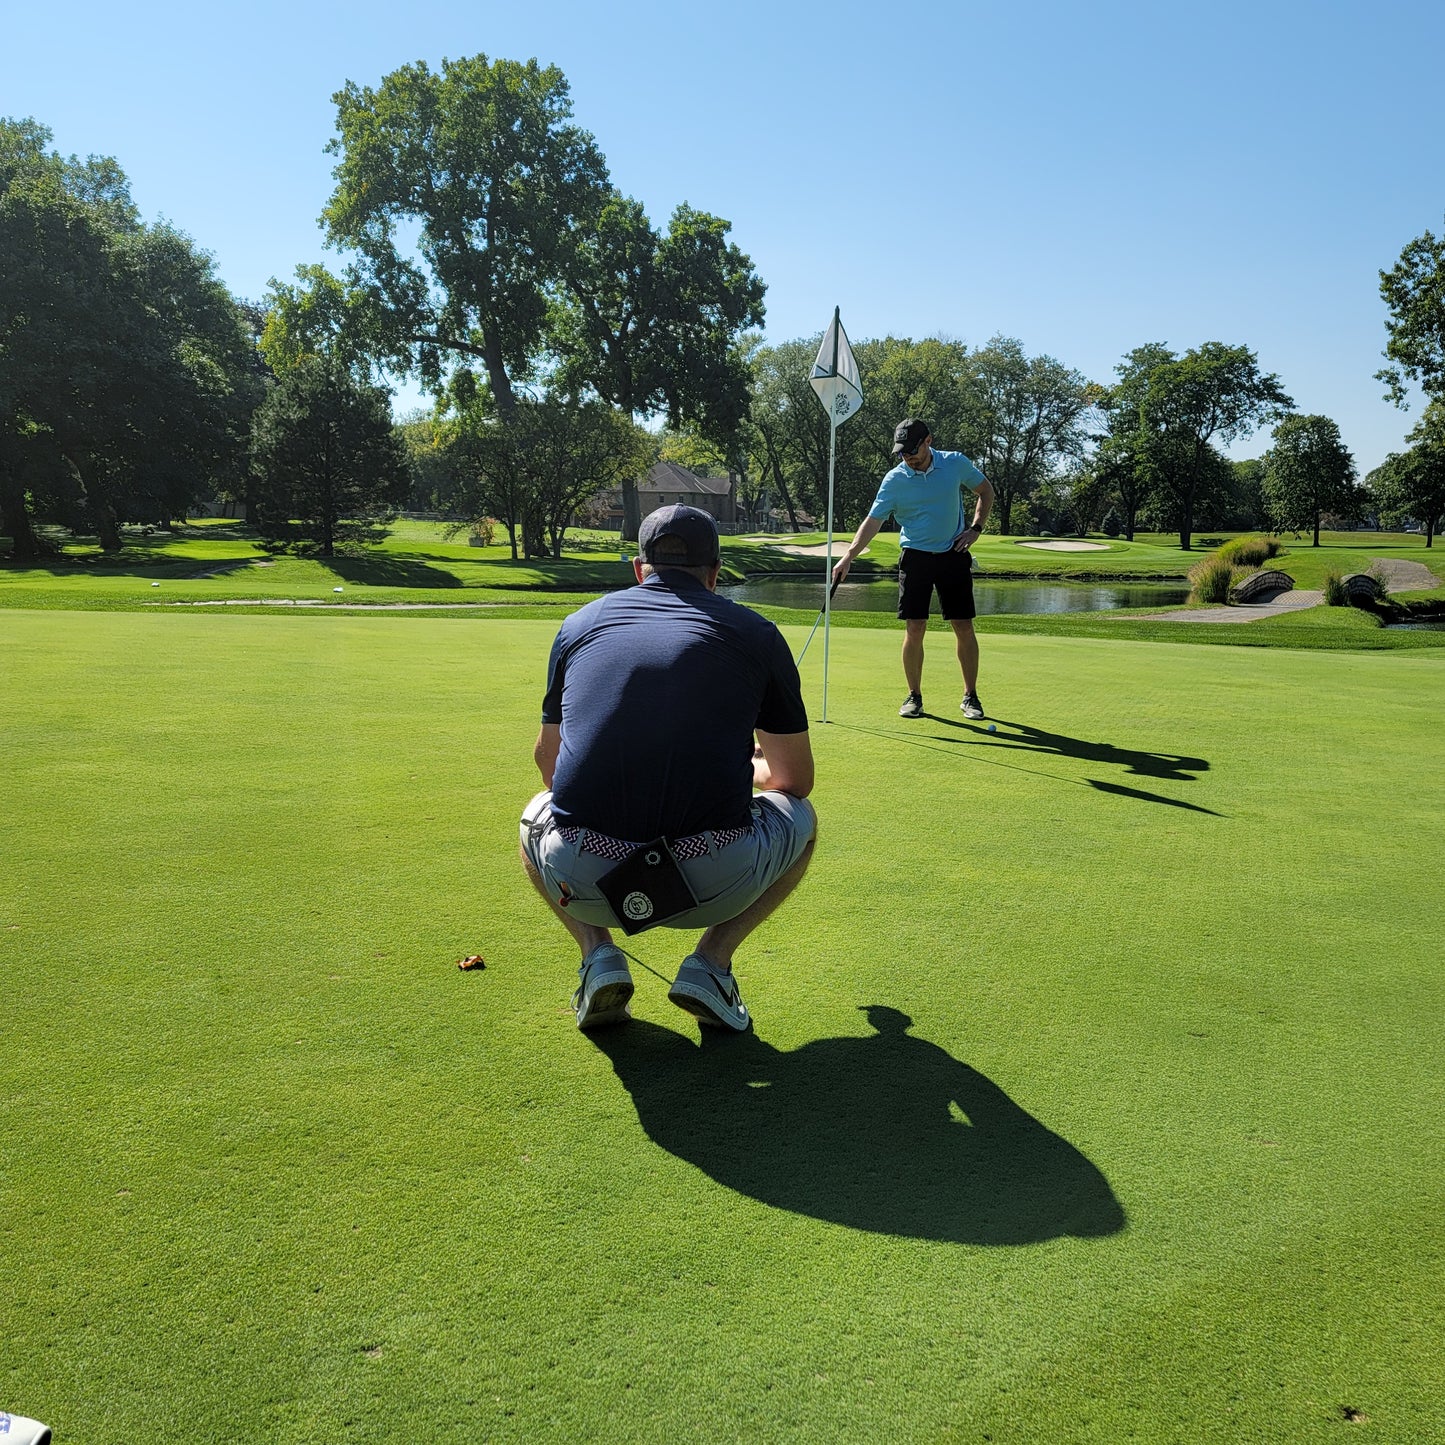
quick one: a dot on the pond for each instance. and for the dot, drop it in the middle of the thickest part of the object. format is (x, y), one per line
(1421, 624)
(989, 597)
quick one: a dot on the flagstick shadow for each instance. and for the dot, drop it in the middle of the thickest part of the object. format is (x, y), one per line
(887, 1133)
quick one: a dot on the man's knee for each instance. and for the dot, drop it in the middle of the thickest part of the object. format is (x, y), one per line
(810, 814)
(916, 628)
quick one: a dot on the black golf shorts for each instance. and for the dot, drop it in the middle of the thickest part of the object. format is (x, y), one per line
(920, 572)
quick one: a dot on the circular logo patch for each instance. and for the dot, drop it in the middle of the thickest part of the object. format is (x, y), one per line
(637, 905)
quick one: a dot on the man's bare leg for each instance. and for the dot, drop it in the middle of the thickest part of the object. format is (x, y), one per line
(717, 944)
(967, 652)
(913, 633)
(587, 935)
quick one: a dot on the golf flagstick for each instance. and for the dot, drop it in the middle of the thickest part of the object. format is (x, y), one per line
(839, 388)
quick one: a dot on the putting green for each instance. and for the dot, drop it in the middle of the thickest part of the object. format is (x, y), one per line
(1156, 1158)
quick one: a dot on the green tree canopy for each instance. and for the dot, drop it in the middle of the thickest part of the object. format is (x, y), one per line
(1308, 471)
(127, 376)
(1414, 290)
(1412, 483)
(1023, 420)
(1030, 419)
(328, 463)
(481, 163)
(539, 470)
(653, 324)
(1170, 412)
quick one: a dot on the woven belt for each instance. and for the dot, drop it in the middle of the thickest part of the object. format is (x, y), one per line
(697, 846)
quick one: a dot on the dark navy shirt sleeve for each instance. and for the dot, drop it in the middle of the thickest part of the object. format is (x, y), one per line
(556, 679)
(782, 709)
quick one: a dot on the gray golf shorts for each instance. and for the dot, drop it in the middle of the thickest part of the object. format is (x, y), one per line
(724, 880)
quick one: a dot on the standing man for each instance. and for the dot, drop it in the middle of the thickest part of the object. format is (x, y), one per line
(925, 491)
(666, 706)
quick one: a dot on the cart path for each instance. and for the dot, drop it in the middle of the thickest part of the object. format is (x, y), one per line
(1403, 575)
(1399, 574)
(1236, 612)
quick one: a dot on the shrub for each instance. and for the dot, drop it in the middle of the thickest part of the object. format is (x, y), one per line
(484, 529)
(1212, 579)
(1250, 551)
(1335, 593)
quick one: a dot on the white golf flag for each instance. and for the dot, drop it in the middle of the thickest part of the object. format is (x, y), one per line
(835, 375)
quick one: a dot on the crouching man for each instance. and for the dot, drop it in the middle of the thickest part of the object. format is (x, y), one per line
(666, 706)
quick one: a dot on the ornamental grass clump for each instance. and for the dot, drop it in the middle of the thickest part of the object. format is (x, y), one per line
(1250, 551)
(1336, 593)
(1212, 579)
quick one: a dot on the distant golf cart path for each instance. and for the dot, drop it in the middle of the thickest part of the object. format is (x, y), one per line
(1399, 574)
(1403, 575)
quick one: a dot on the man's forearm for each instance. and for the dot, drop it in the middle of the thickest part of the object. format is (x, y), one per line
(983, 505)
(867, 531)
(544, 752)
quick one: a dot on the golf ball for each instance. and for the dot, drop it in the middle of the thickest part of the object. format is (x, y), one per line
(993, 727)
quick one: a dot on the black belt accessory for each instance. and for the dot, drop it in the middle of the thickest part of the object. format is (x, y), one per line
(646, 888)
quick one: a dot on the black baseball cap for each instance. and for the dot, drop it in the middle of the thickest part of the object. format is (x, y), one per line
(908, 435)
(691, 525)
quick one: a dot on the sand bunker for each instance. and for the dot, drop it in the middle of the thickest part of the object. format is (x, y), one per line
(821, 550)
(1068, 546)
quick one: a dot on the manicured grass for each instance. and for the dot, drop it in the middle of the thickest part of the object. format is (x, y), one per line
(1157, 1160)
(217, 563)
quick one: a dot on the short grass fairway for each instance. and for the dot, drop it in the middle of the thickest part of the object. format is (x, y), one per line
(1095, 1094)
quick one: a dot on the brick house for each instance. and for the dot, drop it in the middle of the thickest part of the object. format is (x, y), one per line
(667, 483)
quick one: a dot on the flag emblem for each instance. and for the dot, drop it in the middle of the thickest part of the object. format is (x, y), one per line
(835, 376)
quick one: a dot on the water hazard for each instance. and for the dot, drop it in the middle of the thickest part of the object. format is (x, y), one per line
(989, 597)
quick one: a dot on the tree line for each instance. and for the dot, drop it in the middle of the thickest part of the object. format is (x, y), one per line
(566, 341)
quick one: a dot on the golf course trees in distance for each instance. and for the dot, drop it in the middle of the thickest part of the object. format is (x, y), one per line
(327, 463)
(127, 377)
(1061, 451)
(522, 260)
(1309, 471)
(1101, 1105)
(1412, 483)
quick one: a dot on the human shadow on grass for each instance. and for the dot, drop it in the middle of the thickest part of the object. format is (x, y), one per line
(1175, 767)
(887, 1133)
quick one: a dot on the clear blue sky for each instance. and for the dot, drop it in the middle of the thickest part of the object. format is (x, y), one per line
(1083, 177)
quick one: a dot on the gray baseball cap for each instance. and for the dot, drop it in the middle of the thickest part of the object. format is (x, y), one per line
(691, 525)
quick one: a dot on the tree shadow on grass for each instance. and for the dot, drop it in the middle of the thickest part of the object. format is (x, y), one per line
(888, 1133)
(385, 570)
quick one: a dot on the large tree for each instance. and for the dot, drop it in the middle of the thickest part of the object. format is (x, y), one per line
(1029, 419)
(1308, 471)
(1185, 405)
(1414, 290)
(461, 193)
(127, 377)
(652, 323)
(328, 463)
(536, 472)
(1412, 483)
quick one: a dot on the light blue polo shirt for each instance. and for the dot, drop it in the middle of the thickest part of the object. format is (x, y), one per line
(928, 505)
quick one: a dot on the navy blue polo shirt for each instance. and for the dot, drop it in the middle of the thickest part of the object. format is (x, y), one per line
(658, 690)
